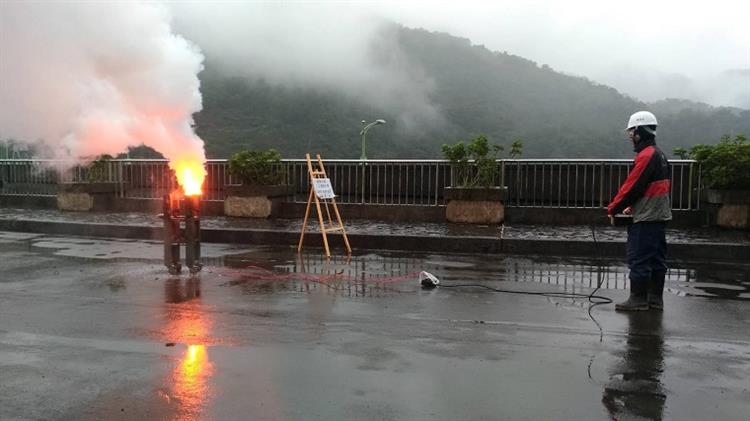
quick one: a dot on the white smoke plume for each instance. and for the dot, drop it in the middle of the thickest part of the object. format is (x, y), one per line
(89, 78)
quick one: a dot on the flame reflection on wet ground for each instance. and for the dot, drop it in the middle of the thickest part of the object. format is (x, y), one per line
(187, 322)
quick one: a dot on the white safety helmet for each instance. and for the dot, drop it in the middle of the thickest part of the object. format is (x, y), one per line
(642, 118)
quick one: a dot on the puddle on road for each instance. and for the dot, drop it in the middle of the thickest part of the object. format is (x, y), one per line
(375, 273)
(395, 271)
(123, 249)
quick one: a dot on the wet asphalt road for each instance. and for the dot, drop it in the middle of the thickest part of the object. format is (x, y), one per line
(96, 329)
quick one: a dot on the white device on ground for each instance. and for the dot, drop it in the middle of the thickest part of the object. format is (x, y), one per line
(428, 280)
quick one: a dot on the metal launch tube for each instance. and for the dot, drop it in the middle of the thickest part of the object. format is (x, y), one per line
(171, 235)
(191, 205)
(174, 211)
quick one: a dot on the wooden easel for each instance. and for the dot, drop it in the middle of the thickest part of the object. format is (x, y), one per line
(320, 173)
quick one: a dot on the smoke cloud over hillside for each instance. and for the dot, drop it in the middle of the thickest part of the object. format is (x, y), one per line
(88, 78)
(322, 46)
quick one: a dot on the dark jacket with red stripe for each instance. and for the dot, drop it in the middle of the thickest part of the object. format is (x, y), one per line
(646, 190)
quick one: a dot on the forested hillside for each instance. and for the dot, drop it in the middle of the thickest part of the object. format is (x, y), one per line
(474, 90)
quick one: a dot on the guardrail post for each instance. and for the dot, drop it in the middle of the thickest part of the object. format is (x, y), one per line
(502, 173)
(700, 184)
(437, 182)
(601, 185)
(362, 184)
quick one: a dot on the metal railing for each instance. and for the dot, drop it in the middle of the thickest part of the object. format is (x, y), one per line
(41, 177)
(588, 183)
(379, 181)
(555, 183)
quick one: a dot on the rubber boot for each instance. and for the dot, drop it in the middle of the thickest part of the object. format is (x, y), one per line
(637, 300)
(656, 291)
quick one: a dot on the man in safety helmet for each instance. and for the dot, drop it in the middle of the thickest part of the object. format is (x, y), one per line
(645, 196)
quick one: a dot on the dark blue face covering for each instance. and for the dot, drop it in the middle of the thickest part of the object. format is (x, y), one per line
(644, 139)
(642, 144)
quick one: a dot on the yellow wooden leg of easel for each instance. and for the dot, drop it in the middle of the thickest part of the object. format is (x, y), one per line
(304, 222)
(341, 224)
(322, 228)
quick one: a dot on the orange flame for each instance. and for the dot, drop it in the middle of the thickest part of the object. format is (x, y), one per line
(190, 175)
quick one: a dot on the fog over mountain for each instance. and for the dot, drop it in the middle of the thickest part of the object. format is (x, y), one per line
(563, 77)
(472, 90)
(648, 50)
(728, 88)
(300, 75)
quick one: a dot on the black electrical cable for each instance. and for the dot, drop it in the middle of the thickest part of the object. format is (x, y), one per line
(598, 273)
(598, 285)
(572, 295)
(593, 298)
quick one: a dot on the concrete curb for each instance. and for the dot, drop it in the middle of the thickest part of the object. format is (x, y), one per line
(414, 243)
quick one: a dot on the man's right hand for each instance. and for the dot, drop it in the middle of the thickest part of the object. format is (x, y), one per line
(611, 220)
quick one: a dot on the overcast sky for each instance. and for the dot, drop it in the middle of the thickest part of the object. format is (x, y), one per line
(647, 49)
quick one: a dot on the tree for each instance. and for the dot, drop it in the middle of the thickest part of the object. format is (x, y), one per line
(482, 155)
(725, 165)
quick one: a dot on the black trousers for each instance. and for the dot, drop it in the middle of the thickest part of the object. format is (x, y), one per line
(647, 250)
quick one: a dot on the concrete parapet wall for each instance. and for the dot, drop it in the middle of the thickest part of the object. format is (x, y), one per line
(393, 213)
(43, 202)
(396, 213)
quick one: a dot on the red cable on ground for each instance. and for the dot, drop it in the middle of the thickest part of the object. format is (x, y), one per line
(257, 273)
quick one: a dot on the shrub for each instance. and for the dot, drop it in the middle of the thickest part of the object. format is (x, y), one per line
(98, 171)
(724, 166)
(261, 167)
(484, 157)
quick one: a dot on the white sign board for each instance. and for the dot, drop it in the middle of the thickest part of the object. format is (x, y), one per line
(323, 188)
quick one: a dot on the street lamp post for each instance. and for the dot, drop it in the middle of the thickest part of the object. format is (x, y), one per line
(363, 157)
(365, 128)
